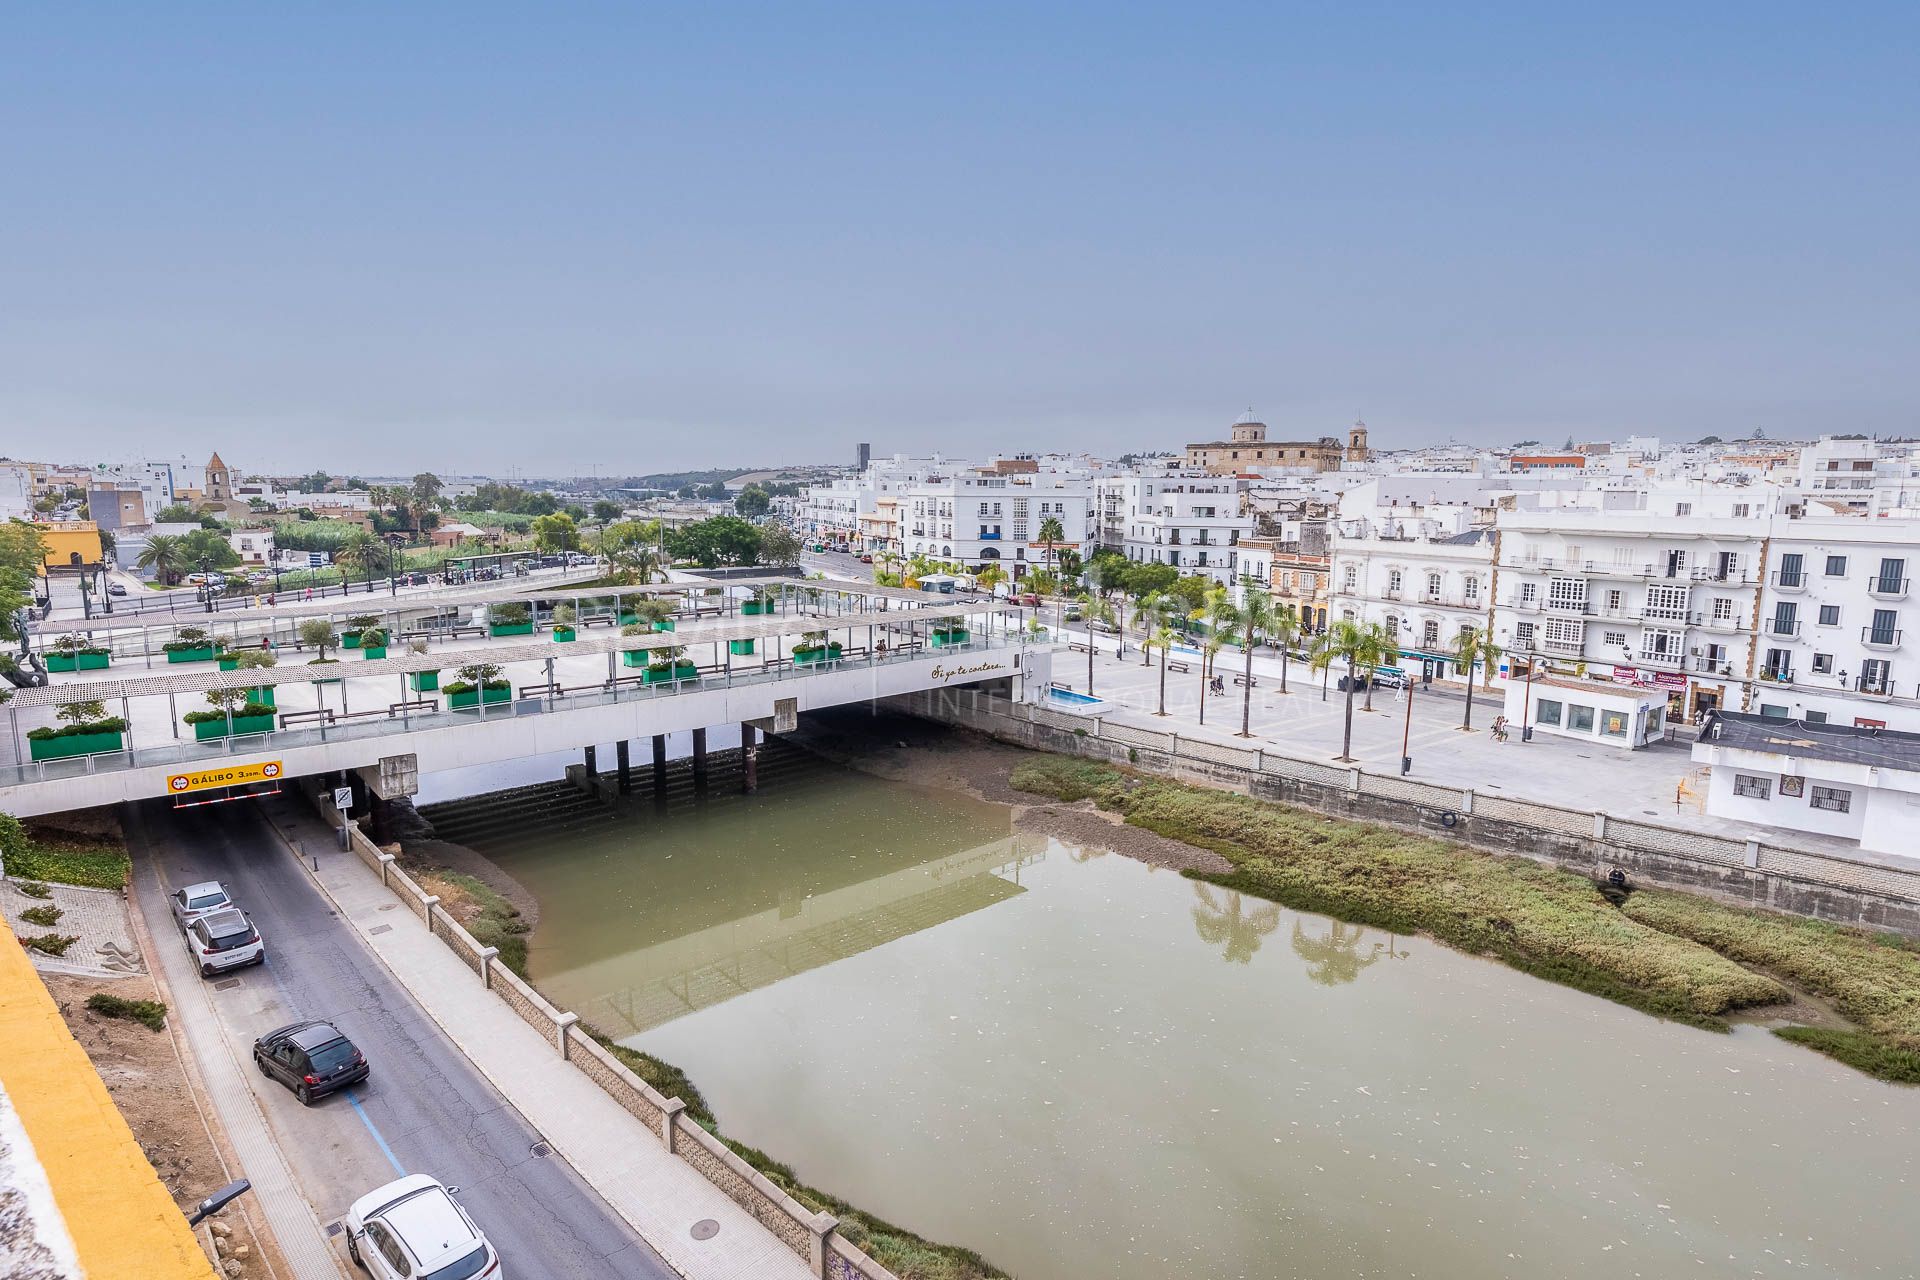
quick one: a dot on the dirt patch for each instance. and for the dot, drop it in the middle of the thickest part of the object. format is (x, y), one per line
(905, 749)
(143, 1075)
(444, 855)
(80, 826)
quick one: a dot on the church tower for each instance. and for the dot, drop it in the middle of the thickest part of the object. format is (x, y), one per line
(1357, 450)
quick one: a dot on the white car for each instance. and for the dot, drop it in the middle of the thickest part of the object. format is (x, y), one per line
(224, 940)
(413, 1229)
(197, 900)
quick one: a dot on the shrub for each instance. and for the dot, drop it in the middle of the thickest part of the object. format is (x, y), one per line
(511, 613)
(52, 944)
(106, 724)
(363, 622)
(93, 867)
(33, 889)
(45, 916)
(150, 1013)
(72, 645)
(243, 710)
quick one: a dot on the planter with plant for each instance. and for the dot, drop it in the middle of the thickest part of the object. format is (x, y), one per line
(760, 602)
(353, 636)
(88, 730)
(233, 715)
(421, 681)
(255, 660)
(564, 616)
(373, 642)
(635, 657)
(949, 631)
(668, 665)
(740, 648)
(192, 645)
(71, 653)
(813, 646)
(479, 683)
(510, 619)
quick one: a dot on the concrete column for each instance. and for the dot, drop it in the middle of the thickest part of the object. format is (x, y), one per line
(659, 766)
(750, 759)
(620, 755)
(699, 759)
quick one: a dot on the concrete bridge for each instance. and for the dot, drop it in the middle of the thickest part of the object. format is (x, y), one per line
(374, 717)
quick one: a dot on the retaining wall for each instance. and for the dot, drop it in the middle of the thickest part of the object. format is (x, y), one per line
(1744, 872)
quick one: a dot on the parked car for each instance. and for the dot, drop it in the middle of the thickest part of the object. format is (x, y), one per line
(1391, 678)
(866, 559)
(197, 900)
(1073, 614)
(311, 1058)
(414, 1227)
(1029, 599)
(116, 588)
(576, 559)
(224, 940)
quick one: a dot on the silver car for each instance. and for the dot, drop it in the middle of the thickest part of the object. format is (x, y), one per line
(224, 940)
(197, 900)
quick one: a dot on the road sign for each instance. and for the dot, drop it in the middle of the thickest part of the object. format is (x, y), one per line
(343, 798)
(227, 776)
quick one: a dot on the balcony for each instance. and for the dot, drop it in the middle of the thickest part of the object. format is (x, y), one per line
(1707, 665)
(1873, 686)
(1880, 637)
(1781, 628)
(1663, 613)
(1790, 580)
(1525, 606)
(1777, 675)
(1887, 588)
(988, 537)
(1707, 622)
(1671, 661)
(1575, 647)
(1566, 606)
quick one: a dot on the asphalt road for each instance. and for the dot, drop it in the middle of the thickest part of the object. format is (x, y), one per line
(425, 1109)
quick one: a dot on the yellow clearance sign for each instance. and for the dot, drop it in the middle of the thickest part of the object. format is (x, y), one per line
(232, 775)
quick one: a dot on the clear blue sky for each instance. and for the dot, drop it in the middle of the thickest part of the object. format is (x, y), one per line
(384, 237)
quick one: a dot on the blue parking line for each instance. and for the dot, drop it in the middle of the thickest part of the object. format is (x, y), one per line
(367, 1120)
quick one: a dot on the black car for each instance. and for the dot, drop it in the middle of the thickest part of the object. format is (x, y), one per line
(311, 1058)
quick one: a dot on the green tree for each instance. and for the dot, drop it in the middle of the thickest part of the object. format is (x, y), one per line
(1219, 616)
(1335, 959)
(632, 549)
(1283, 630)
(556, 532)
(1475, 645)
(1143, 580)
(1381, 648)
(720, 540)
(1346, 641)
(362, 553)
(177, 513)
(779, 545)
(166, 555)
(1258, 617)
(605, 512)
(317, 633)
(753, 502)
(206, 550)
(1051, 532)
(426, 488)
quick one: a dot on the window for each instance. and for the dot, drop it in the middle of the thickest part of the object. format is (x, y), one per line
(1616, 639)
(1829, 615)
(1816, 717)
(1741, 510)
(1832, 799)
(1883, 631)
(1666, 602)
(1566, 634)
(1579, 718)
(1722, 609)
(1823, 664)
(1614, 600)
(1523, 635)
(1433, 584)
(1892, 577)
(1790, 569)
(1430, 637)
(1393, 579)
(1683, 508)
(1567, 594)
(1772, 711)
(1529, 591)
(1547, 711)
(1346, 577)
(1471, 585)
(1613, 724)
(1752, 786)
(1836, 566)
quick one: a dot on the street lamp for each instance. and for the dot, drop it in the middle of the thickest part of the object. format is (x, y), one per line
(206, 584)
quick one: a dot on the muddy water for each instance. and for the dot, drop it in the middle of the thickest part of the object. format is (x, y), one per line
(1082, 1067)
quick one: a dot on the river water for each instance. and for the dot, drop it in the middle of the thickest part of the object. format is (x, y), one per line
(1084, 1067)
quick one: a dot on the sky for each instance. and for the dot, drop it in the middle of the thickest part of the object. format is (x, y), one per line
(571, 239)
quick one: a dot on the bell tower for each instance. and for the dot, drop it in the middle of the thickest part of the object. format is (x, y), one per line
(1357, 450)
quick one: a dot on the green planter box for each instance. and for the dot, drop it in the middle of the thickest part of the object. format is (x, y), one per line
(374, 652)
(192, 655)
(263, 694)
(423, 681)
(229, 662)
(752, 607)
(740, 647)
(471, 698)
(802, 657)
(564, 635)
(635, 657)
(665, 624)
(78, 661)
(349, 639)
(208, 730)
(75, 744)
(686, 671)
(628, 619)
(942, 639)
(510, 629)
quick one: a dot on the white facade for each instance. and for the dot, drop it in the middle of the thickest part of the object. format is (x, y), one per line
(1829, 781)
(1423, 584)
(1184, 519)
(976, 519)
(1835, 642)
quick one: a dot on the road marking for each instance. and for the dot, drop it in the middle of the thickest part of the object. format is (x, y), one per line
(367, 1120)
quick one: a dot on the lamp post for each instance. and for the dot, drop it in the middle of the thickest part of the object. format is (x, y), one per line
(206, 584)
(1406, 731)
(1526, 705)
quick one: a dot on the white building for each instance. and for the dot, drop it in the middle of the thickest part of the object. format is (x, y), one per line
(1822, 779)
(983, 517)
(1424, 579)
(1188, 520)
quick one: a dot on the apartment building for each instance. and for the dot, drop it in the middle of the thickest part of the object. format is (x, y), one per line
(994, 516)
(837, 508)
(1181, 518)
(1833, 641)
(1425, 579)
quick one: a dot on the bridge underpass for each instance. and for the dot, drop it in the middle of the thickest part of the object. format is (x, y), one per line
(562, 697)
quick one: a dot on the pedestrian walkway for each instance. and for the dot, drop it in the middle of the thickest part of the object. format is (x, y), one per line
(659, 1195)
(287, 1212)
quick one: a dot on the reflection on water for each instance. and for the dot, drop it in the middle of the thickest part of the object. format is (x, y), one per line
(1228, 922)
(1042, 1056)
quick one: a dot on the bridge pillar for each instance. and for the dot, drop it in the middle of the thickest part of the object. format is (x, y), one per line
(749, 759)
(659, 766)
(623, 764)
(699, 759)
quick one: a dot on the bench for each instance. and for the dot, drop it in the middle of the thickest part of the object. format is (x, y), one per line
(1179, 666)
(1078, 647)
(597, 620)
(288, 719)
(1247, 682)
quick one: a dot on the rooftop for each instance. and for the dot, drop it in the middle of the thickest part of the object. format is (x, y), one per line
(1843, 744)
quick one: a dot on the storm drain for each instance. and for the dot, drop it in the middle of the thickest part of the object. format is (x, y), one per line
(228, 985)
(541, 1150)
(705, 1229)
(381, 928)
(333, 1229)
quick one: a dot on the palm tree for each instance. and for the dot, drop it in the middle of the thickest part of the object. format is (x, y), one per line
(1381, 645)
(988, 578)
(1257, 617)
(363, 552)
(166, 555)
(1051, 531)
(1240, 931)
(1093, 608)
(1162, 640)
(1283, 629)
(1146, 618)
(1475, 645)
(1347, 640)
